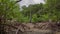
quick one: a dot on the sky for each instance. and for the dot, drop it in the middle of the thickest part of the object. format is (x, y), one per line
(28, 2)
(38, 1)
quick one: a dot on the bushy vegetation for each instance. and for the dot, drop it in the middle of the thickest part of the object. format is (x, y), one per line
(33, 13)
(9, 10)
(43, 12)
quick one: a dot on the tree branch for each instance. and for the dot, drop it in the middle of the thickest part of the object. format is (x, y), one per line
(18, 1)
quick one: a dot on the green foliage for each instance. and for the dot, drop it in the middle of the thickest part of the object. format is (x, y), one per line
(9, 10)
(35, 13)
(53, 9)
(34, 18)
(43, 12)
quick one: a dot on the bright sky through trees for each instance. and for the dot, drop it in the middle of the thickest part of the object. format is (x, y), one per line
(28, 2)
(38, 1)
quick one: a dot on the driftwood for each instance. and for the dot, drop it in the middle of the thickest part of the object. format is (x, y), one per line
(17, 29)
(23, 26)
